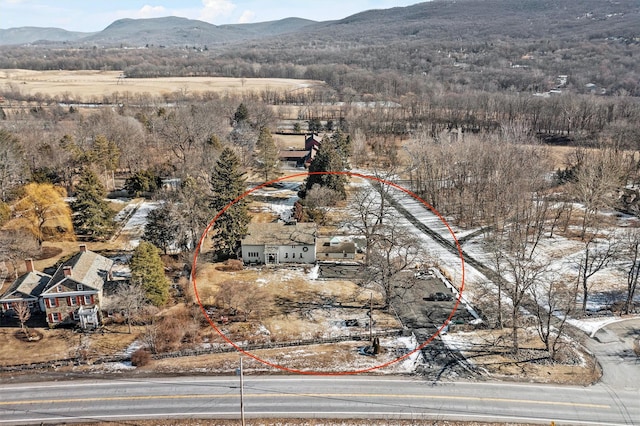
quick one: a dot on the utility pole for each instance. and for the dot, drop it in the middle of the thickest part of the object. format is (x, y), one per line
(371, 318)
(241, 393)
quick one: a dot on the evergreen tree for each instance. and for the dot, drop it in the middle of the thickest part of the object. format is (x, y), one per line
(162, 228)
(241, 114)
(267, 155)
(147, 270)
(331, 157)
(142, 181)
(92, 214)
(227, 184)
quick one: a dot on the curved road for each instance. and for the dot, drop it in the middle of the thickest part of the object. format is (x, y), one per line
(314, 397)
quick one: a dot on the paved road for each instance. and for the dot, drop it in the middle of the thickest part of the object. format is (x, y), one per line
(309, 397)
(613, 346)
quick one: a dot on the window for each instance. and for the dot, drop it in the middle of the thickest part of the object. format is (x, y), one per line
(87, 300)
(80, 287)
(294, 255)
(55, 317)
(71, 301)
(75, 316)
(286, 255)
(305, 248)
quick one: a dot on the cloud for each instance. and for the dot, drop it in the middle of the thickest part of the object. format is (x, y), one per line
(246, 17)
(213, 9)
(148, 11)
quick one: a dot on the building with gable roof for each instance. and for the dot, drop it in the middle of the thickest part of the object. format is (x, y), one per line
(279, 242)
(71, 295)
(26, 288)
(75, 290)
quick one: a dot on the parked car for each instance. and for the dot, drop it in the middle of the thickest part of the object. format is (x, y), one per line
(439, 297)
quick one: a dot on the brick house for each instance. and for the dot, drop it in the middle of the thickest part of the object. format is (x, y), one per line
(75, 290)
(71, 295)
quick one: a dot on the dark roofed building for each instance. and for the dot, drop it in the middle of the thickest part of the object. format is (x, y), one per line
(74, 293)
(26, 288)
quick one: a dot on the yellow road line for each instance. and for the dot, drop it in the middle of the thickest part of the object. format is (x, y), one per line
(303, 395)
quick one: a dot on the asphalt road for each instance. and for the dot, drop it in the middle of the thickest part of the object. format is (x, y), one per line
(314, 397)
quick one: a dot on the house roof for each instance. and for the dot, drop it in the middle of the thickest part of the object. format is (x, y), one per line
(333, 246)
(279, 233)
(87, 268)
(294, 154)
(27, 286)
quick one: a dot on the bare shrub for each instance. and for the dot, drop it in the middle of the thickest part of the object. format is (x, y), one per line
(231, 265)
(140, 358)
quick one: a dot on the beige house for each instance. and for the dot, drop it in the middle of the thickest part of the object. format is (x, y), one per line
(336, 248)
(277, 243)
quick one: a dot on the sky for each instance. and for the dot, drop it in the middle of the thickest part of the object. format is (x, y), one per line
(95, 15)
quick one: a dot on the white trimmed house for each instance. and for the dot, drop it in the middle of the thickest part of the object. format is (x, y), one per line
(71, 295)
(277, 243)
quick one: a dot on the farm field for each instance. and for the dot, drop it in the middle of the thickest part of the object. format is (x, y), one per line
(90, 86)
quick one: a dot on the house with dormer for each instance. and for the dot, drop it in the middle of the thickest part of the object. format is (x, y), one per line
(75, 290)
(72, 295)
(25, 289)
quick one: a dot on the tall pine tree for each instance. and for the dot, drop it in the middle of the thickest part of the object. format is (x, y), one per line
(267, 154)
(331, 157)
(93, 217)
(227, 184)
(147, 270)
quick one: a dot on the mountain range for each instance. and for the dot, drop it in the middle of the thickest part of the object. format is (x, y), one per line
(437, 19)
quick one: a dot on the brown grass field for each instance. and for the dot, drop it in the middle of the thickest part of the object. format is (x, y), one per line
(94, 85)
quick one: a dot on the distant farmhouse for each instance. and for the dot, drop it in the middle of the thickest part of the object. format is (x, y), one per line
(302, 157)
(278, 243)
(71, 295)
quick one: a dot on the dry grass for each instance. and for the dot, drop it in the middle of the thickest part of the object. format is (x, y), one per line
(94, 85)
(338, 357)
(490, 350)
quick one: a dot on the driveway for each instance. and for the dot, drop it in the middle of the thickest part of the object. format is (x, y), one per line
(613, 346)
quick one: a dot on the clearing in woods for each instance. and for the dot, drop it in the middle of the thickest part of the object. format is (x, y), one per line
(92, 86)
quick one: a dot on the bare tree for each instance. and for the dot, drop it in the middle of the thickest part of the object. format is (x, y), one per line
(128, 299)
(595, 256)
(597, 175)
(243, 297)
(395, 249)
(318, 202)
(631, 262)
(554, 303)
(23, 313)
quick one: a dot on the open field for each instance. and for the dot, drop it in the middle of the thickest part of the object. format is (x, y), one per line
(90, 86)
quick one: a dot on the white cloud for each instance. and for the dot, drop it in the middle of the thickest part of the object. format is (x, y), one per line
(213, 9)
(148, 11)
(246, 17)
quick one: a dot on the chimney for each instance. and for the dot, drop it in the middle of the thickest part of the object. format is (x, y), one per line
(67, 271)
(83, 248)
(29, 264)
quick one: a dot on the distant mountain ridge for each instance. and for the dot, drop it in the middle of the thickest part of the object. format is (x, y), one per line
(469, 20)
(25, 35)
(168, 31)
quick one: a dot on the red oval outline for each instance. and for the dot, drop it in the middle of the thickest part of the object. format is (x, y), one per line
(327, 373)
